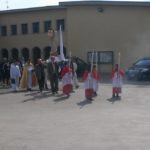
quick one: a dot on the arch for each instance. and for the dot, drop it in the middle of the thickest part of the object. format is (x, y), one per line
(14, 53)
(4, 53)
(36, 53)
(64, 50)
(25, 54)
(46, 52)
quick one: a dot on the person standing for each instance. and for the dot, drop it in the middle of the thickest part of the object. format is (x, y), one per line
(75, 78)
(45, 71)
(52, 70)
(28, 76)
(116, 77)
(96, 77)
(15, 75)
(6, 72)
(88, 83)
(40, 74)
(66, 75)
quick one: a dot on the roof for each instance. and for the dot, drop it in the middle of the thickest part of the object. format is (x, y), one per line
(105, 2)
(34, 9)
(63, 5)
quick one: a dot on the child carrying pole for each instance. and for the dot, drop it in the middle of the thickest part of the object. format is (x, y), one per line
(117, 76)
(88, 81)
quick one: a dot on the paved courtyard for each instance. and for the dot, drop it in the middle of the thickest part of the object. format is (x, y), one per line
(31, 121)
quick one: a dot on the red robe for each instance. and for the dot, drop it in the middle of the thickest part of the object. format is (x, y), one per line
(66, 75)
(96, 75)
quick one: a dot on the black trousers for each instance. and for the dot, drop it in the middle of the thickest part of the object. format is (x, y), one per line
(54, 83)
(41, 83)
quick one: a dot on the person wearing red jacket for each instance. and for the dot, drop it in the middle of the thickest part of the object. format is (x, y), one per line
(116, 77)
(91, 79)
(96, 77)
(88, 83)
(66, 75)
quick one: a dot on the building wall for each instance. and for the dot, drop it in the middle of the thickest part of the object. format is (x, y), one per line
(30, 40)
(123, 29)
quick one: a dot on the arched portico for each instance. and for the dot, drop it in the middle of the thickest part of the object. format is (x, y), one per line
(36, 53)
(25, 54)
(46, 52)
(4, 53)
(14, 53)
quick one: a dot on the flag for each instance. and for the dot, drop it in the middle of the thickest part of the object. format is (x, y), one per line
(62, 57)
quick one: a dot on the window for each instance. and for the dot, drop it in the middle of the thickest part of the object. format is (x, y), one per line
(35, 27)
(13, 29)
(47, 25)
(24, 28)
(144, 62)
(100, 57)
(62, 23)
(3, 30)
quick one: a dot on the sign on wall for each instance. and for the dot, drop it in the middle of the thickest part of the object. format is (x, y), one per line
(103, 57)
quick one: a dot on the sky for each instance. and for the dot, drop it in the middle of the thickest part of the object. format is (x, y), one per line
(18, 4)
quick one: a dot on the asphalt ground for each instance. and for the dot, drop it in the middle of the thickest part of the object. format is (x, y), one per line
(35, 121)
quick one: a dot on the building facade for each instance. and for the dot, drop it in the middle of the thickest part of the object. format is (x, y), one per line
(103, 26)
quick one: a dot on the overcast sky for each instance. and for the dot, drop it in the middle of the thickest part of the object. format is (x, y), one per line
(16, 4)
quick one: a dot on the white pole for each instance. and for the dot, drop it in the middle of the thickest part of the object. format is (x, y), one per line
(92, 61)
(96, 59)
(119, 60)
(69, 59)
(118, 63)
(96, 62)
(62, 57)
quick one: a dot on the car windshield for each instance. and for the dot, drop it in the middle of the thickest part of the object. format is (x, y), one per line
(143, 63)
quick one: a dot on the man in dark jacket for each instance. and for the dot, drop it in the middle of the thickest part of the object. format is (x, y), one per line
(40, 74)
(52, 69)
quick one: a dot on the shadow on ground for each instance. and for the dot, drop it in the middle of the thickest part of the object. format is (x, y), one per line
(84, 103)
(37, 96)
(114, 99)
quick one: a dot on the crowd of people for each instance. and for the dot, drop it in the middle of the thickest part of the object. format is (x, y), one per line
(5, 65)
(27, 75)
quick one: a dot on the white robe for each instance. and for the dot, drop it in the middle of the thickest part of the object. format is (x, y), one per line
(30, 69)
(88, 83)
(95, 85)
(117, 80)
(67, 79)
(15, 74)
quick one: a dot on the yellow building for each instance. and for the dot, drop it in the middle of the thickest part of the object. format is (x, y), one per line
(103, 26)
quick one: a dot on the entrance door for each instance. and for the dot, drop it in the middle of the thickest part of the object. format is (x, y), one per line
(36, 54)
(4, 53)
(47, 53)
(25, 54)
(14, 53)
